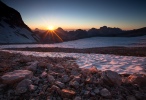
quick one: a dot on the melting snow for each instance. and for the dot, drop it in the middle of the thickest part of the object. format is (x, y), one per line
(120, 64)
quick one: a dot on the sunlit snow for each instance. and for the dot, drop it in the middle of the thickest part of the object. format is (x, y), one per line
(120, 64)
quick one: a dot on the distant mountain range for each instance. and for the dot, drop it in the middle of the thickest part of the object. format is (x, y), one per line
(12, 27)
(60, 35)
(14, 30)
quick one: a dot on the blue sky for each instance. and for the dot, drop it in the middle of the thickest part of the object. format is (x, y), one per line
(84, 14)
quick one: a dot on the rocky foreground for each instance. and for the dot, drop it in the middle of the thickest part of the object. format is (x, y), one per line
(37, 78)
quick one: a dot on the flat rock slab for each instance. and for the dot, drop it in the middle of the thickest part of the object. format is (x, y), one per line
(16, 76)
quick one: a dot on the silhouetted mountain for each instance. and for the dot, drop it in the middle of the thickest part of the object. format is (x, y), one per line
(12, 27)
(134, 33)
(60, 35)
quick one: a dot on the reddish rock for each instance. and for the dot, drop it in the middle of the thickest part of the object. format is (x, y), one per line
(88, 80)
(44, 74)
(137, 79)
(16, 76)
(93, 70)
(66, 93)
(110, 78)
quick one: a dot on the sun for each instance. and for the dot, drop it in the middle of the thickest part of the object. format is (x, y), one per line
(51, 28)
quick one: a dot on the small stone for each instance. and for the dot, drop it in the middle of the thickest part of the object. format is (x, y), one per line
(74, 72)
(87, 93)
(66, 93)
(131, 97)
(92, 93)
(60, 84)
(21, 90)
(23, 86)
(65, 78)
(32, 87)
(16, 76)
(105, 93)
(55, 88)
(35, 80)
(32, 67)
(77, 78)
(96, 91)
(77, 98)
(44, 74)
(93, 70)
(74, 84)
(51, 79)
(88, 80)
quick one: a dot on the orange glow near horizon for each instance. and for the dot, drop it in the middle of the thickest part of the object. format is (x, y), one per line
(51, 28)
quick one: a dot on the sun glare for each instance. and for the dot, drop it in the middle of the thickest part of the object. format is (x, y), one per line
(51, 28)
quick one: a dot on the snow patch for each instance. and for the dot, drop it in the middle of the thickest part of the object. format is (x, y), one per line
(120, 64)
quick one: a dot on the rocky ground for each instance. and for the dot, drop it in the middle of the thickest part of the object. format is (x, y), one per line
(125, 51)
(37, 78)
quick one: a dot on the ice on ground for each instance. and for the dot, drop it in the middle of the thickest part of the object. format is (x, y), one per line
(120, 64)
(90, 43)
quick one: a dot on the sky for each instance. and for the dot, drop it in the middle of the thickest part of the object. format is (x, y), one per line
(81, 14)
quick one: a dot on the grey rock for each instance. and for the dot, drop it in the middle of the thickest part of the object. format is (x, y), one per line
(32, 67)
(96, 90)
(51, 79)
(23, 86)
(74, 84)
(65, 78)
(110, 78)
(77, 98)
(105, 93)
(60, 84)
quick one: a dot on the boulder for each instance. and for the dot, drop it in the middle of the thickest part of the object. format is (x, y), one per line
(16, 76)
(110, 78)
(137, 79)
